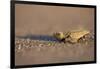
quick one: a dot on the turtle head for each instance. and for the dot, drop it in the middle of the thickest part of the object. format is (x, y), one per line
(59, 35)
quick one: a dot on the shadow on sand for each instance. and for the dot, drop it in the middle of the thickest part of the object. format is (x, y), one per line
(39, 37)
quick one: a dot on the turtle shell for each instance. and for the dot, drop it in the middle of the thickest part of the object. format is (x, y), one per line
(74, 36)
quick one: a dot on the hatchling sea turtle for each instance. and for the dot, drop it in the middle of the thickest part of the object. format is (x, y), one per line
(71, 36)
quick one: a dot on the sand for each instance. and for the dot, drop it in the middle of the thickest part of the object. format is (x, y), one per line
(38, 23)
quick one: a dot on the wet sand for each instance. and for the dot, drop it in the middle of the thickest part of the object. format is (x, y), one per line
(32, 21)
